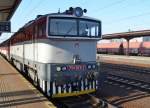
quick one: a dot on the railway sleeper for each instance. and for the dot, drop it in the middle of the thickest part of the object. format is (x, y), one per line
(146, 89)
(127, 68)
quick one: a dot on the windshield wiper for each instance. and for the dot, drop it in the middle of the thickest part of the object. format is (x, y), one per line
(69, 30)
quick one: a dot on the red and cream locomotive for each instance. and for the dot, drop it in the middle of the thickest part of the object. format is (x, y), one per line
(58, 52)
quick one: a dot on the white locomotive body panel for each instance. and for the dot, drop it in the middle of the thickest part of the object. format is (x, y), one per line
(50, 51)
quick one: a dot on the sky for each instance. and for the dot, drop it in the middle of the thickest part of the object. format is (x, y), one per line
(116, 15)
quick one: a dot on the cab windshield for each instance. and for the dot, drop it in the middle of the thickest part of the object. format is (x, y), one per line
(74, 27)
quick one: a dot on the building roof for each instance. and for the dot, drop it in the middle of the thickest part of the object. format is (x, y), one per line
(7, 9)
(131, 34)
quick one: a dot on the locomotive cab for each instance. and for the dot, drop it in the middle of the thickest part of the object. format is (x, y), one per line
(72, 37)
(70, 51)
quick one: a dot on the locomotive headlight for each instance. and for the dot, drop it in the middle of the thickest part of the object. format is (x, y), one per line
(89, 66)
(58, 69)
(64, 68)
(78, 12)
(93, 66)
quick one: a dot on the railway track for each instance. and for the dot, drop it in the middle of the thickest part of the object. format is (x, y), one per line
(127, 68)
(83, 101)
(86, 101)
(127, 71)
(135, 83)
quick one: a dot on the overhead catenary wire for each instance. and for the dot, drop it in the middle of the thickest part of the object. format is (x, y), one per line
(29, 13)
(83, 2)
(122, 7)
(98, 10)
(128, 18)
(35, 7)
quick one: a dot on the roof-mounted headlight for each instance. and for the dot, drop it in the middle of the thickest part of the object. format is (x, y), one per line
(78, 12)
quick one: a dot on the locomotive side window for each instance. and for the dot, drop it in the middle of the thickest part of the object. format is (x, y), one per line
(63, 27)
(35, 33)
(41, 30)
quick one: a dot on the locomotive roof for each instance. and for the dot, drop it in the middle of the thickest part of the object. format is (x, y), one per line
(58, 15)
(70, 16)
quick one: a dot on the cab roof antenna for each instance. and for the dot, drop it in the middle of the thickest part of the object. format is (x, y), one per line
(59, 10)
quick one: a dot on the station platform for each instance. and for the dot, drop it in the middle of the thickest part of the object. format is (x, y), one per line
(128, 60)
(17, 92)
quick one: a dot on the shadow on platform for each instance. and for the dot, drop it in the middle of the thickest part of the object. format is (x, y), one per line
(19, 98)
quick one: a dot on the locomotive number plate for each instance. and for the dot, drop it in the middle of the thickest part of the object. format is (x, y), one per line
(76, 67)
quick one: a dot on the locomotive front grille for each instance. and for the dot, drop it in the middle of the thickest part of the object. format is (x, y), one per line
(73, 89)
(73, 79)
